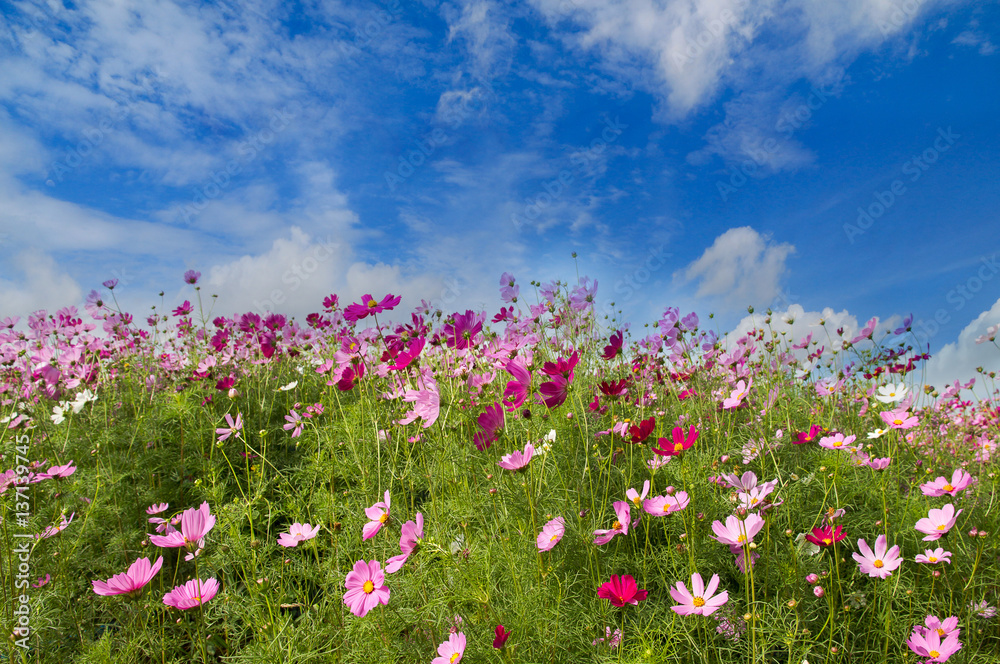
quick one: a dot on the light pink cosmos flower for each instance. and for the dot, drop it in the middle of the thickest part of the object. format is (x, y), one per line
(195, 524)
(293, 423)
(620, 526)
(379, 515)
(664, 505)
(899, 419)
(736, 532)
(960, 480)
(938, 522)
(409, 539)
(55, 530)
(700, 601)
(637, 497)
(234, 427)
(737, 395)
(930, 645)
(929, 557)
(879, 464)
(156, 508)
(59, 472)
(299, 532)
(131, 582)
(944, 628)
(451, 651)
(879, 563)
(365, 588)
(552, 532)
(426, 404)
(193, 593)
(837, 442)
(517, 460)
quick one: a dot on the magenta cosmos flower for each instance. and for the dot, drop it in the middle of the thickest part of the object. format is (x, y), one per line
(700, 601)
(451, 651)
(299, 532)
(681, 442)
(938, 522)
(735, 532)
(552, 532)
(501, 637)
(131, 582)
(365, 588)
(960, 480)
(193, 593)
(517, 460)
(379, 515)
(929, 557)
(879, 563)
(620, 526)
(621, 590)
(826, 536)
(195, 524)
(369, 306)
(409, 539)
(931, 645)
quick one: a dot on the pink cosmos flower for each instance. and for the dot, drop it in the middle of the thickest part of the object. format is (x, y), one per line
(55, 530)
(294, 422)
(938, 522)
(365, 588)
(368, 306)
(451, 651)
(426, 405)
(737, 395)
(735, 532)
(960, 480)
(944, 628)
(379, 515)
(234, 427)
(195, 524)
(620, 526)
(517, 460)
(664, 505)
(131, 582)
(700, 601)
(156, 508)
(879, 563)
(621, 590)
(637, 497)
(516, 392)
(193, 593)
(501, 637)
(932, 646)
(929, 557)
(299, 532)
(58, 472)
(879, 464)
(837, 442)
(409, 539)
(681, 442)
(552, 532)
(899, 419)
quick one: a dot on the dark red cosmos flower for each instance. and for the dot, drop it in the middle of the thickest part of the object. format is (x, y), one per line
(826, 536)
(808, 436)
(501, 637)
(554, 391)
(369, 306)
(614, 348)
(562, 367)
(621, 590)
(352, 374)
(641, 433)
(679, 444)
(615, 388)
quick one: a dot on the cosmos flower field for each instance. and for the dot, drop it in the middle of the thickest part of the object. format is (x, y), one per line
(388, 482)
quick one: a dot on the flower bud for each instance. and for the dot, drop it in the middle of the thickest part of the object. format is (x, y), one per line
(812, 578)
(818, 591)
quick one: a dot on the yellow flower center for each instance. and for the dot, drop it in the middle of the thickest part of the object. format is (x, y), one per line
(698, 602)
(897, 421)
(941, 527)
(554, 537)
(617, 525)
(384, 517)
(838, 443)
(741, 539)
(369, 587)
(197, 598)
(678, 447)
(940, 632)
(934, 654)
(827, 541)
(933, 559)
(878, 564)
(638, 501)
(372, 304)
(948, 487)
(666, 507)
(454, 656)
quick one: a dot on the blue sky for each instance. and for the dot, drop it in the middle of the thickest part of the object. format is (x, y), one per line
(835, 160)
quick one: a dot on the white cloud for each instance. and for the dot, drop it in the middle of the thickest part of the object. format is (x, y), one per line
(974, 39)
(742, 267)
(42, 284)
(958, 360)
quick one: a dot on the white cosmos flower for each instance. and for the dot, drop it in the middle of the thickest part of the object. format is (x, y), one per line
(891, 393)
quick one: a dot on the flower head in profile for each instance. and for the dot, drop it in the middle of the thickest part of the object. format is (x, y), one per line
(664, 505)
(933, 557)
(299, 532)
(131, 582)
(451, 651)
(803, 437)
(191, 277)
(620, 526)
(378, 515)
(366, 588)
(501, 637)
(552, 532)
(701, 601)
(879, 563)
(193, 593)
(938, 522)
(195, 524)
(621, 590)
(409, 539)
(517, 460)
(960, 480)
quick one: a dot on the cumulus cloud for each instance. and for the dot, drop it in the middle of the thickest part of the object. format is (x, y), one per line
(959, 359)
(742, 267)
(40, 284)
